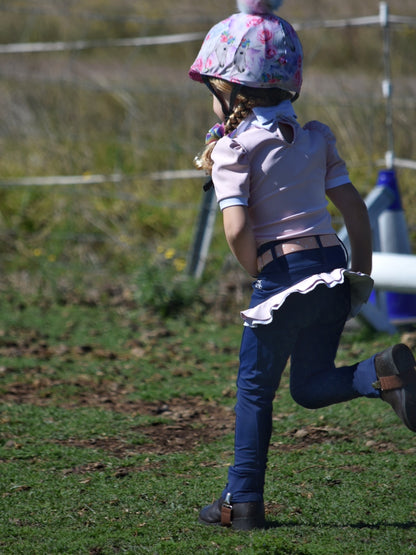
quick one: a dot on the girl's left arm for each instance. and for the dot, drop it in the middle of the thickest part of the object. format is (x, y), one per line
(240, 237)
(354, 211)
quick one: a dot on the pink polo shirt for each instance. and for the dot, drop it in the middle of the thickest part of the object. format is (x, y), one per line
(283, 184)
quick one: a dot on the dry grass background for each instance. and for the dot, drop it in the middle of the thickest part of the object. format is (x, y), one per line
(134, 111)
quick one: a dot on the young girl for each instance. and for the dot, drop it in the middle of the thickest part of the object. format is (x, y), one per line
(271, 179)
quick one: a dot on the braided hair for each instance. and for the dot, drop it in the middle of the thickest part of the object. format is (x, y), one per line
(246, 99)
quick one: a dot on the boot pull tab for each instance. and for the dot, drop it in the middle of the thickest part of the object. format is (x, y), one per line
(226, 511)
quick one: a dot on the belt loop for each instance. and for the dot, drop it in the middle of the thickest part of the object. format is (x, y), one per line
(321, 249)
(280, 259)
(347, 256)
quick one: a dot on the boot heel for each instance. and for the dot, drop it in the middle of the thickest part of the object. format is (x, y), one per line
(247, 516)
(247, 523)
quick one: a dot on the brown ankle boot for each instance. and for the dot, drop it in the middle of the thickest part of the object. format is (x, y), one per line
(240, 516)
(395, 369)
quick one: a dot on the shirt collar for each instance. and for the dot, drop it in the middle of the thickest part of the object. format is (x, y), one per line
(267, 116)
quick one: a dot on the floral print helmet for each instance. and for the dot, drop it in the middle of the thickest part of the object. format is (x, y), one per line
(254, 48)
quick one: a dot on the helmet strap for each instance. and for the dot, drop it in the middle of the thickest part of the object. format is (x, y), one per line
(226, 109)
(234, 92)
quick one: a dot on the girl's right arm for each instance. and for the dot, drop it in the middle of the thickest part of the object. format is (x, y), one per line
(240, 237)
(354, 211)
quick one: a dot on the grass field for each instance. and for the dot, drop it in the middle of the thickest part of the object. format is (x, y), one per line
(117, 426)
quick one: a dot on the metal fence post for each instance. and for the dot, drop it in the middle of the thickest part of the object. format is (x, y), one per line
(203, 235)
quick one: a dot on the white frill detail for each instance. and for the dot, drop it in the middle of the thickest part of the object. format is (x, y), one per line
(361, 286)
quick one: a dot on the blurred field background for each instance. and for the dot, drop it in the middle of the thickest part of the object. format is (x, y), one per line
(134, 112)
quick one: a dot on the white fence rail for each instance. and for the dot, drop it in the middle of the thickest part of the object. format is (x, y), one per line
(383, 19)
(96, 179)
(32, 47)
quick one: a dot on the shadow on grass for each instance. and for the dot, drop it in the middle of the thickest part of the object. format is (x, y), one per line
(359, 525)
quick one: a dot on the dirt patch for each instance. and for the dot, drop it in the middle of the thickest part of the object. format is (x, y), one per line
(179, 425)
(187, 423)
(302, 438)
(182, 424)
(194, 422)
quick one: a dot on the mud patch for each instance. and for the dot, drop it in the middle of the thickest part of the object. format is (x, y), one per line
(187, 424)
(302, 438)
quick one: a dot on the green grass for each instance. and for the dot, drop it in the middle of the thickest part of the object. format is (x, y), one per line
(116, 427)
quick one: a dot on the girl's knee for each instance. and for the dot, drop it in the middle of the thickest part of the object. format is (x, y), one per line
(305, 398)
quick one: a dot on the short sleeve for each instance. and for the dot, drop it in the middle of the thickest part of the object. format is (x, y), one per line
(336, 169)
(231, 172)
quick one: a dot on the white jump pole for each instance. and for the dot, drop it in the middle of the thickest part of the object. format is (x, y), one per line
(394, 272)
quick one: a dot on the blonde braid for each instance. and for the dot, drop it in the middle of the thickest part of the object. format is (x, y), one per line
(203, 160)
(246, 99)
(242, 110)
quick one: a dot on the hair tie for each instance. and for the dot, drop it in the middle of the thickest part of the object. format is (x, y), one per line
(215, 133)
